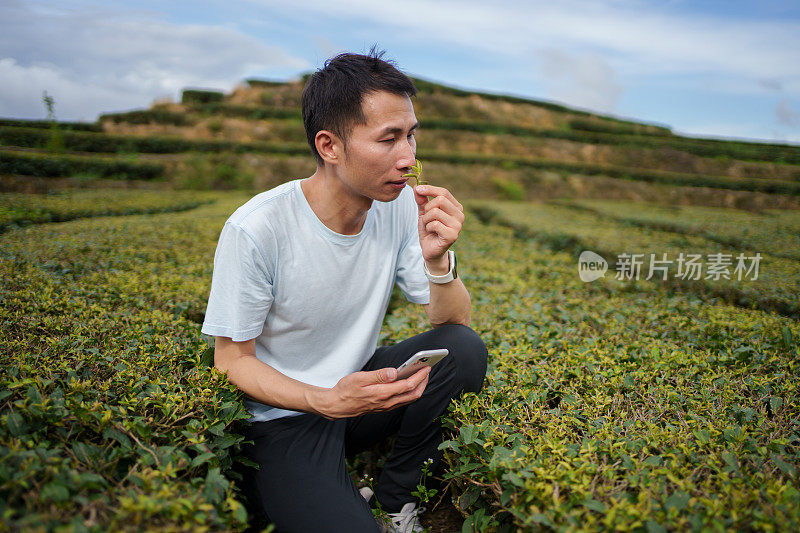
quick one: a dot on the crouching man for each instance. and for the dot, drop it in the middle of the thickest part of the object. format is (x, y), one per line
(303, 274)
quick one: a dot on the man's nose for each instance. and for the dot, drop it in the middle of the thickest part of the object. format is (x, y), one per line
(409, 157)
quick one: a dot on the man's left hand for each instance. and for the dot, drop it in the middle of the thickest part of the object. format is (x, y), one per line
(440, 220)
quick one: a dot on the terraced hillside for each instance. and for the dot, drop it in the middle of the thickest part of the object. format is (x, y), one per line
(649, 404)
(477, 144)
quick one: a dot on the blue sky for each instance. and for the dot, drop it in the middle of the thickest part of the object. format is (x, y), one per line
(704, 68)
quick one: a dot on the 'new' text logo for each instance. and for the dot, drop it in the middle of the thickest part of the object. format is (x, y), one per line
(591, 266)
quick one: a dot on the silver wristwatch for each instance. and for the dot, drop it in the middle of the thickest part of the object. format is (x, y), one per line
(444, 278)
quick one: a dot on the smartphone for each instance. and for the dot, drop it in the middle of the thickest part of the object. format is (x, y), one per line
(420, 359)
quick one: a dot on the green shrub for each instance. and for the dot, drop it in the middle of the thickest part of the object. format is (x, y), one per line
(48, 166)
(198, 96)
(215, 125)
(509, 190)
(96, 434)
(256, 83)
(617, 128)
(55, 140)
(24, 209)
(606, 406)
(97, 142)
(777, 153)
(212, 171)
(731, 228)
(633, 174)
(102, 142)
(64, 126)
(149, 116)
(251, 113)
(614, 407)
(561, 227)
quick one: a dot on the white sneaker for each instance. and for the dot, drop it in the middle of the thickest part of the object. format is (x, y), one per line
(366, 493)
(406, 521)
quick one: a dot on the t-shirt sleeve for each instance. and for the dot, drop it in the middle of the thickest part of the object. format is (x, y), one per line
(410, 274)
(241, 287)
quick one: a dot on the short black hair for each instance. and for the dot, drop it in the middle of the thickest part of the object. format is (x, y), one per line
(332, 96)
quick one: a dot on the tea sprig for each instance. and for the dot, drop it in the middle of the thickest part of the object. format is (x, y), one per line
(416, 173)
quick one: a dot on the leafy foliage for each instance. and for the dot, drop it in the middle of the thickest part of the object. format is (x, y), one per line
(614, 406)
(111, 419)
(148, 116)
(560, 228)
(24, 209)
(49, 166)
(198, 96)
(731, 228)
(609, 405)
(416, 173)
(64, 126)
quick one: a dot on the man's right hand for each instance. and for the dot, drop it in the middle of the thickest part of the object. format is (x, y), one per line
(369, 392)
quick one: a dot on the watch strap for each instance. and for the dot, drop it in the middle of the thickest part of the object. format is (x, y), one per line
(444, 278)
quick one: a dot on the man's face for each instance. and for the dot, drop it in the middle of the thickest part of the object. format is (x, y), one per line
(381, 151)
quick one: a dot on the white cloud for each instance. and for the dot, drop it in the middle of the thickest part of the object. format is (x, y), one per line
(92, 62)
(584, 80)
(327, 48)
(581, 52)
(21, 93)
(786, 115)
(636, 39)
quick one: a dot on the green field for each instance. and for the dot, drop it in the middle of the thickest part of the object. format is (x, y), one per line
(613, 228)
(616, 404)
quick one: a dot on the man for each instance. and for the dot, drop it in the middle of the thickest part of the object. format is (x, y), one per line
(303, 274)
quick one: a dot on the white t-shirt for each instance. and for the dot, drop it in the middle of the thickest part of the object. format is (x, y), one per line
(313, 299)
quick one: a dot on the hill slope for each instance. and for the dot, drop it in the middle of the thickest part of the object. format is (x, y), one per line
(478, 144)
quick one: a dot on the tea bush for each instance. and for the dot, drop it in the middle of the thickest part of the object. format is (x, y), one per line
(198, 96)
(251, 113)
(775, 153)
(112, 418)
(582, 124)
(47, 124)
(102, 142)
(776, 288)
(618, 406)
(149, 116)
(631, 174)
(607, 405)
(735, 229)
(23, 209)
(49, 166)
(255, 82)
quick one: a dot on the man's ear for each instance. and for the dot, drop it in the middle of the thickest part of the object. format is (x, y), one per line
(329, 146)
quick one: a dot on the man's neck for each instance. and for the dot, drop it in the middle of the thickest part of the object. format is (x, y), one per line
(335, 206)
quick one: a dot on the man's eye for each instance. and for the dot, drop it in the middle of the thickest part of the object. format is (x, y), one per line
(410, 135)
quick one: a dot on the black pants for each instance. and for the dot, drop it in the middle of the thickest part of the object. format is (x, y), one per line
(303, 483)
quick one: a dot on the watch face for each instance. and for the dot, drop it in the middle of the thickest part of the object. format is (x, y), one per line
(455, 272)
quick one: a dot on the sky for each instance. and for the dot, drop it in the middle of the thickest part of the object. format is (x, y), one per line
(705, 68)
